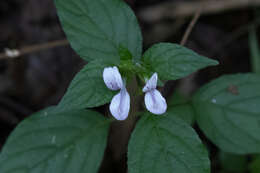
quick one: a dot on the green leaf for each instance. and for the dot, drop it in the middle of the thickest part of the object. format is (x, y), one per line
(181, 107)
(87, 89)
(178, 98)
(233, 163)
(254, 50)
(96, 28)
(172, 61)
(166, 144)
(183, 111)
(254, 166)
(48, 142)
(228, 112)
(124, 54)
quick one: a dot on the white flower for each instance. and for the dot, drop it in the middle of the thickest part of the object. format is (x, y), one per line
(112, 78)
(153, 99)
(120, 104)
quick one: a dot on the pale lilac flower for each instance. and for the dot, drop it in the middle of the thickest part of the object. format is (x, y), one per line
(154, 101)
(112, 78)
(120, 104)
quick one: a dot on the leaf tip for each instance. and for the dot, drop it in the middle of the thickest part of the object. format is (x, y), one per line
(213, 62)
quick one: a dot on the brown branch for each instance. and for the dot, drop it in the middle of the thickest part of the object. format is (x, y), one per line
(14, 53)
(186, 9)
(190, 27)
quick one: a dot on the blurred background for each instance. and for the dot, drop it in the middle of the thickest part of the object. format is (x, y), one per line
(227, 30)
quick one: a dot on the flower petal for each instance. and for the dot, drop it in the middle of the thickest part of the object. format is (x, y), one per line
(151, 83)
(112, 78)
(155, 102)
(120, 105)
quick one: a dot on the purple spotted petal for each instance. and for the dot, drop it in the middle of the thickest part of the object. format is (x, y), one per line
(155, 102)
(151, 83)
(120, 105)
(112, 78)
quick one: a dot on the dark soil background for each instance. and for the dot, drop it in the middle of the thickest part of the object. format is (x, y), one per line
(38, 80)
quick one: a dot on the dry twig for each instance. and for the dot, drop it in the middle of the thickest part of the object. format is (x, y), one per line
(187, 84)
(190, 27)
(186, 9)
(14, 53)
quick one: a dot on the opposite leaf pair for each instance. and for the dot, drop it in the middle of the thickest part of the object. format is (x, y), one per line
(120, 104)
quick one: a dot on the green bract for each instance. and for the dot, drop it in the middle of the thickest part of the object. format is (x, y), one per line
(228, 112)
